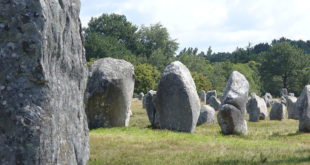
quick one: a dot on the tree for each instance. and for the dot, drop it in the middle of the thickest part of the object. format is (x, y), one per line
(147, 77)
(202, 82)
(154, 38)
(281, 65)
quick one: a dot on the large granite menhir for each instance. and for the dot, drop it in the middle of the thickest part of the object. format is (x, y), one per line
(177, 101)
(109, 93)
(42, 83)
(303, 106)
(231, 116)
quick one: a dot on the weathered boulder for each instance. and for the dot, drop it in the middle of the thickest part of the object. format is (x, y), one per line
(209, 94)
(141, 95)
(291, 107)
(109, 93)
(150, 106)
(283, 92)
(231, 116)
(207, 114)
(202, 95)
(291, 94)
(303, 107)
(215, 103)
(257, 108)
(42, 81)
(268, 99)
(278, 111)
(177, 100)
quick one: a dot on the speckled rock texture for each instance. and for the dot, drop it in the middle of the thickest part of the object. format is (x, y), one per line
(109, 93)
(257, 108)
(42, 83)
(303, 107)
(231, 116)
(177, 100)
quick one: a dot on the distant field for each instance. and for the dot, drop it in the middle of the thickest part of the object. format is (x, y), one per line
(269, 142)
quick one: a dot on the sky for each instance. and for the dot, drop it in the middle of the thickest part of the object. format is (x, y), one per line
(222, 24)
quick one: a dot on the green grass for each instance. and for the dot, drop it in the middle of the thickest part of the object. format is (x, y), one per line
(269, 142)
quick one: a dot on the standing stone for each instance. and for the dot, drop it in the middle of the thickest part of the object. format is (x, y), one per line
(207, 114)
(215, 103)
(202, 96)
(257, 108)
(141, 95)
(278, 111)
(109, 93)
(177, 100)
(303, 107)
(268, 99)
(231, 116)
(209, 94)
(291, 94)
(42, 80)
(283, 92)
(291, 107)
(151, 108)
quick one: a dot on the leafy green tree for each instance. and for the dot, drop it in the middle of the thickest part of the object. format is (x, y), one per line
(154, 38)
(147, 77)
(202, 82)
(281, 65)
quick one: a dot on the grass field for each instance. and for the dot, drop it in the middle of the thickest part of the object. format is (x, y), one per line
(269, 142)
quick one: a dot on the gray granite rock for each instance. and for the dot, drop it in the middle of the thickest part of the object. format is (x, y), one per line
(150, 107)
(283, 92)
(141, 95)
(278, 111)
(109, 93)
(43, 79)
(268, 99)
(231, 116)
(291, 94)
(257, 108)
(209, 94)
(291, 107)
(207, 114)
(177, 100)
(303, 107)
(215, 103)
(202, 96)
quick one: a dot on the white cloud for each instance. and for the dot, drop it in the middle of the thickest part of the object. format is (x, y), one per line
(223, 24)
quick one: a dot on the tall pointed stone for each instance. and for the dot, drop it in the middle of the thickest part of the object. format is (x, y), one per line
(42, 79)
(177, 101)
(231, 116)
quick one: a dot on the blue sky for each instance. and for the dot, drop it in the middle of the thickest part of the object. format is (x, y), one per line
(221, 24)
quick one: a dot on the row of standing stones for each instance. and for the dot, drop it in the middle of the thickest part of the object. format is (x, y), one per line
(46, 89)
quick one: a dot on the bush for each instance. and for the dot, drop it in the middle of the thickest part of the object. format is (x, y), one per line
(147, 77)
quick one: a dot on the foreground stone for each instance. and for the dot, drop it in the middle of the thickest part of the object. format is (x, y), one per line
(109, 93)
(177, 100)
(257, 108)
(303, 107)
(291, 107)
(150, 107)
(278, 111)
(42, 83)
(207, 114)
(231, 116)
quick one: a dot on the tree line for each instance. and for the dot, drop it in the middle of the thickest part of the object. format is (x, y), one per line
(283, 63)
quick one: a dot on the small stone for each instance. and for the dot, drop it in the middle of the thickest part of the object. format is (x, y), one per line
(4, 103)
(278, 111)
(207, 114)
